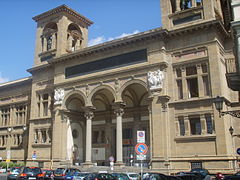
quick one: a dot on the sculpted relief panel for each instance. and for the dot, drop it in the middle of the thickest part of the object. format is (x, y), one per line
(155, 80)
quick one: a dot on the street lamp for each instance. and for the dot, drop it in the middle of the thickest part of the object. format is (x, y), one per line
(219, 106)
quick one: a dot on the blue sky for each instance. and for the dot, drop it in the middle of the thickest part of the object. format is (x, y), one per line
(112, 19)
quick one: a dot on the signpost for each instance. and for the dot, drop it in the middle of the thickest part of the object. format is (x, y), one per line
(141, 150)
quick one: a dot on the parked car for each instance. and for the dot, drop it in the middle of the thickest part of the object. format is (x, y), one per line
(77, 176)
(31, 173)
(60, 173)
(154, 176)
(99, 176)
(189, 175)
(133, 176)
(14, 171)
(235, 176)
(48, 174)
(120, 176)
(203, 172)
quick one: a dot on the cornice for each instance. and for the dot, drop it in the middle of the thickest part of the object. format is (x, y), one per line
(200, 26)
(16, 82)
(38, 68)
(63, 8)
(117, 43)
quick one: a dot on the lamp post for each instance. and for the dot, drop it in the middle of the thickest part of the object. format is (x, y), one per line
(219, 106)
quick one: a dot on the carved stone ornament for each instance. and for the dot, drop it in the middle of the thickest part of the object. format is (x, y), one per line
(58, 96)
(155, 79)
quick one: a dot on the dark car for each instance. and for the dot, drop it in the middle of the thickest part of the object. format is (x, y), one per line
(31, 173)
(201, 171)
(47, 174)
(14, 171)
(155, 176)
(60, 173)
(189, 175)
(120, 176)
(100, 176)
(235, 176)
(76, 176)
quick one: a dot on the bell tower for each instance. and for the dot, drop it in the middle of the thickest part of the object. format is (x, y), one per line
(59, 31)
(179, 13)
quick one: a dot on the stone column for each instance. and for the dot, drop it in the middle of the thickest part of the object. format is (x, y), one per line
(178, 5)
(54, 41)
(203, 124)
(89, 116)
(194, 3)
(187, 126)
(184, 84)
(118, 110)
(200, 81)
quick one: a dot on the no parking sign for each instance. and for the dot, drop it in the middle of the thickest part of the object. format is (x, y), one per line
(141, 148)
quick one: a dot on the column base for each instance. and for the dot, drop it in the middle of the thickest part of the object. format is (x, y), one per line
(119, 164)
(87, 164)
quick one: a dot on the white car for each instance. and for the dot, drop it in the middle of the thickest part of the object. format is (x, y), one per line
(133, 176)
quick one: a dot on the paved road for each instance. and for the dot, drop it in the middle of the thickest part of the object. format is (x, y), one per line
(3, 176)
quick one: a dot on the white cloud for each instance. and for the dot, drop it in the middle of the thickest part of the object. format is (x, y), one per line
(102, 39)
(3, 79)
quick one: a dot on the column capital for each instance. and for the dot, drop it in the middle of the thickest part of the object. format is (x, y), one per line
(118, 108)
(88, 112)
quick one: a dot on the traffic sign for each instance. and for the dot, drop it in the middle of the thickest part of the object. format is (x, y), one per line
(141, 148)
(140, 136)
(238, 151)
(141, 157)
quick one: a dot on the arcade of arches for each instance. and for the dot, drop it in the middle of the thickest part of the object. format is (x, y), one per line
(102, 123)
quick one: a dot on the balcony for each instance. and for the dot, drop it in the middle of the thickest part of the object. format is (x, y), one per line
(232, 75)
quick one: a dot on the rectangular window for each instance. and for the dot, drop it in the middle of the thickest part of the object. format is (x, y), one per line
(193, 87)
(180, 89)
(209, 123)
(195, 165)
(181, 126)
(195, 125)
(191, 70)
(206, 85)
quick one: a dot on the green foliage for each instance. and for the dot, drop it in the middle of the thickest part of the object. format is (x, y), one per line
(11, 164)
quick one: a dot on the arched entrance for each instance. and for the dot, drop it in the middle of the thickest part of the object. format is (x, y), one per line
(75, 129)
(103, 145)
(136, 117)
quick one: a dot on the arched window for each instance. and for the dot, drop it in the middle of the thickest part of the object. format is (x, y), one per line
(74, 37)
(49, 37)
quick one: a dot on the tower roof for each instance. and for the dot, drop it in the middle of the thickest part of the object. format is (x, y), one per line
(63, 8)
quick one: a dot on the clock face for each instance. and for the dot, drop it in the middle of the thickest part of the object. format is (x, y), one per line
(75, 134)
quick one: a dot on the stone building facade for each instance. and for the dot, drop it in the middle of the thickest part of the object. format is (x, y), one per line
(84, 104)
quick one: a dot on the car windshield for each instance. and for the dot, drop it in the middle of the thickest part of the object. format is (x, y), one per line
(14, 170)
(32, 170)
(70, 173)
(59, 170)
